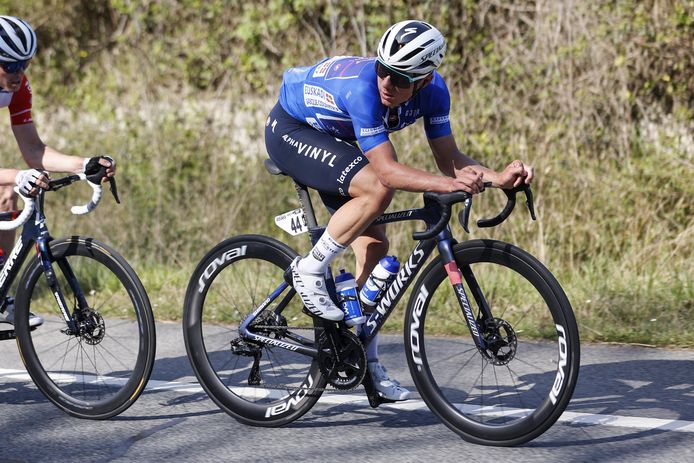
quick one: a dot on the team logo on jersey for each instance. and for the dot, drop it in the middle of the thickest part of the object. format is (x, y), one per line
(439, 120)
(368, 131)
(322, 69)
(319, 98)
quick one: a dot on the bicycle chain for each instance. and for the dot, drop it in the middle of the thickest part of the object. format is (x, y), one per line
(294, 388)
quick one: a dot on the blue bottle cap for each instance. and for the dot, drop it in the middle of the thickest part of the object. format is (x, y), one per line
(391, 264)
(343, 276)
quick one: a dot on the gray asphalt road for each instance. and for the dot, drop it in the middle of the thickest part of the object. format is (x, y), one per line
(632, 397)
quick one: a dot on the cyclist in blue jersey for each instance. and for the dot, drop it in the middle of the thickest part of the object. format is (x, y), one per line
(329, 131)
(17, 48)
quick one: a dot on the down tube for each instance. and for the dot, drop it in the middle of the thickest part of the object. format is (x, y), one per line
(397, 289)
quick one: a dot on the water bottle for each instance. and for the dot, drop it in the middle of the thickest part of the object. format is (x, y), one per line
(346, 288)
(377, 284)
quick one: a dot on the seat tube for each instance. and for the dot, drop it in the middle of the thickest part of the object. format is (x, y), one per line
(455, 276)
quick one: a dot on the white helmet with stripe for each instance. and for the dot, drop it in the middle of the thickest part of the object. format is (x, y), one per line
(413, 47)
(17, 40)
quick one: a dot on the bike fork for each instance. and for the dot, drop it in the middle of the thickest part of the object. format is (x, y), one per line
(47, 263)
(456, 275)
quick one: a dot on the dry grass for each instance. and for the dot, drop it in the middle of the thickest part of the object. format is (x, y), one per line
(596, 95)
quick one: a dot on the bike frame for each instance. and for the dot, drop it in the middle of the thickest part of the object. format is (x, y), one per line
(35, 230)
(444, 241)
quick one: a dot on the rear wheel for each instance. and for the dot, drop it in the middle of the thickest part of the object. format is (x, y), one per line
(258, 384)
(100, 369)
(514, 389)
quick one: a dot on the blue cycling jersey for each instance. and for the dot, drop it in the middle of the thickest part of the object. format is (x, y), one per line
(340, 96)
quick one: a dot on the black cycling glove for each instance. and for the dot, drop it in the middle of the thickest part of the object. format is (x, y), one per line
(92, 166)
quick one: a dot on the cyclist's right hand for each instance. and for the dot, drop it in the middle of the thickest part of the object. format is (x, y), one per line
(29, 181)
(468, 179)
(92, 165)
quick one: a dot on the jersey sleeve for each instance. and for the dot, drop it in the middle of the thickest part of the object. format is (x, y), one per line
(436, 112)
(20, 106)
(363, 106)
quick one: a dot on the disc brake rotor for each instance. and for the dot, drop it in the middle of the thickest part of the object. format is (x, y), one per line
(501, 342)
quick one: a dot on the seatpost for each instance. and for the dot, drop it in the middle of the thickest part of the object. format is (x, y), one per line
(314, 230)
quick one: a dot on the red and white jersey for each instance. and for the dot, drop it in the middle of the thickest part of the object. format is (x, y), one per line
(19, 103)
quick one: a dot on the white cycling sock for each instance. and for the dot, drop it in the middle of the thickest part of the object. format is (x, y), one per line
(325, 250)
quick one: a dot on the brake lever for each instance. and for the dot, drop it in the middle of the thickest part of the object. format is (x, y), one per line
(113, 188)
(464, 214)
(529, 201)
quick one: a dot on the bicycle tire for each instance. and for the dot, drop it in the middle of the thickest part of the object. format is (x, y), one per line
(113, 359)
(234, 278)
(522, 396)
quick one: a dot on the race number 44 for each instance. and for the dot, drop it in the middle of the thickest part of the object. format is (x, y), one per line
(293, 222)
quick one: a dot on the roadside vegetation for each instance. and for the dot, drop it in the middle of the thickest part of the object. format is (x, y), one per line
(598, 96)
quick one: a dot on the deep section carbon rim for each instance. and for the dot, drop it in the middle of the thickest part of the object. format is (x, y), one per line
(99, 370)
(516, 388)
(259, 384)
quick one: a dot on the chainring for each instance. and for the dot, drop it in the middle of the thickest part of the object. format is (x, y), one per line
(347, 372)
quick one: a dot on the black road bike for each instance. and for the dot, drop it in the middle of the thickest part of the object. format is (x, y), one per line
(504, 378)
(94, 353)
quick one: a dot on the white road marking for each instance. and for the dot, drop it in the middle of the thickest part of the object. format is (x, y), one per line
(358, 400)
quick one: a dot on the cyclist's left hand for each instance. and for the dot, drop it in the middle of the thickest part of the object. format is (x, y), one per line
(515, 174)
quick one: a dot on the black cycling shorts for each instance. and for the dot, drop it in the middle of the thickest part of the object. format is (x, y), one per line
(313, 158)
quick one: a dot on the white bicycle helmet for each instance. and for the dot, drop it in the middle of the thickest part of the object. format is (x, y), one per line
(17, 40)
(413, 47)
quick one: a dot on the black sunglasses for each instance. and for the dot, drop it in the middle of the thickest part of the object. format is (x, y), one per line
(15, 66)
(397, 78)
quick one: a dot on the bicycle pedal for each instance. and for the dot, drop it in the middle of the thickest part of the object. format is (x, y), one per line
(383, 400)
(374, 397)
(308, 312)
(374, 400)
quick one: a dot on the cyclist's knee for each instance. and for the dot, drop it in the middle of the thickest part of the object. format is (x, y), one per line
(8, 199)
(377, 197)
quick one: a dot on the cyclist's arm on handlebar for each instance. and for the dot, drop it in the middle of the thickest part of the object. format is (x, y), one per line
(454, 163)
(398, 176)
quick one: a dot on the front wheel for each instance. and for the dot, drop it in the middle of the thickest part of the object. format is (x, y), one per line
(516, 386)
(99, 368)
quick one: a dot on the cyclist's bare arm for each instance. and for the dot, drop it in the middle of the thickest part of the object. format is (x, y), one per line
(398, 176)
(40, 156)
(452, 162)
